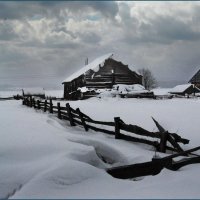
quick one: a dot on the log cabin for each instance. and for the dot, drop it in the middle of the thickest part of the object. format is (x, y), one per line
(103, 72)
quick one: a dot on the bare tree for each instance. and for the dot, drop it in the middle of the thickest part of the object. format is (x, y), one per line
(149, 80)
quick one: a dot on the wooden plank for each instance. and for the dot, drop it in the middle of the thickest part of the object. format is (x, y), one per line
(59, 113)
(182, 153)
(117, 127)
(139, 131)
(136, 170)
(140, 140)
(51, 106)
(70, 114)
(174, 144)
(45, 106)
(99, 122)
(82, 119)
(101, 130)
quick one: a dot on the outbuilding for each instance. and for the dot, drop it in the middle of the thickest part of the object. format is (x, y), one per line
(185, 89)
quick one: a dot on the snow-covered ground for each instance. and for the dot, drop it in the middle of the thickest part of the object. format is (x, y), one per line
(43, 157)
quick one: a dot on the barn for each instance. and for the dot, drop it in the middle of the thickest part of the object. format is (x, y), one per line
(185, 89)
(103, 72)
(196, 79)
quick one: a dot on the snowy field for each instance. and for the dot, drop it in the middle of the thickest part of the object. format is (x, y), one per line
(43, 157)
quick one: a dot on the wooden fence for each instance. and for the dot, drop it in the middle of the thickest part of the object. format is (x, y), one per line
(155, 166)
(118, 128)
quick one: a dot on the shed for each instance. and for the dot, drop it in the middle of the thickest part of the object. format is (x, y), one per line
(37, 92)
(103, 72)
(185, 89)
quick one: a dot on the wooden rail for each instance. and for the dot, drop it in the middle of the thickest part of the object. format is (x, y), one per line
(155, 166)
(131, 132)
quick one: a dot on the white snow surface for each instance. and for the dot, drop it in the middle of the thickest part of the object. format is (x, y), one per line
(94, 65)
(161, 91)
(43, 157)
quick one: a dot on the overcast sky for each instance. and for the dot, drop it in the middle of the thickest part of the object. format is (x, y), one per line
(41, 43)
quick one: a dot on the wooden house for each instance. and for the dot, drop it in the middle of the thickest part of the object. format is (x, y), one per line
(103, 72)
(34, 92)
(196, 79)
(184, 90)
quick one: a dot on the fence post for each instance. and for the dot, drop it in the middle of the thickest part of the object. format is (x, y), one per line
(82, 119)
(51, 106)
(117, 127)
(23, 101)
(163, 141)
(38, 104)
(70, 114)
(45, 105)
(34, 103)
(59, 112)
(31, 101)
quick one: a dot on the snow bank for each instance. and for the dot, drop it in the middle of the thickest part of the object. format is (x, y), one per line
(43, 157)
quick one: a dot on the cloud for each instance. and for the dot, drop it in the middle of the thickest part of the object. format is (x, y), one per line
(52, 38)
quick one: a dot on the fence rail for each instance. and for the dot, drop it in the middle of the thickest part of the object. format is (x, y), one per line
(131, 132)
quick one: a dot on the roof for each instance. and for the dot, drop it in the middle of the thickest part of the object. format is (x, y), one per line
(195, 78)
(94, 65)
(33, 91)
(180, 88)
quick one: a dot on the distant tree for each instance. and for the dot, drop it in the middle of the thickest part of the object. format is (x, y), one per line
(149, 80)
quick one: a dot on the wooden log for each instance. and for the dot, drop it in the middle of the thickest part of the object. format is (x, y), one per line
(136, 170)
(174, 143)
(31, 102)
(101, 130)
(117, 127)
(38, 104)
(187, 161)
(164, 136)
(51, 106)
(99, 122)
(179, 138)
(139, 131)
(182, 153)
(59, 113)
(82, 119)
(140, 140)
(45, 105)
(70, 114)
(163, 141)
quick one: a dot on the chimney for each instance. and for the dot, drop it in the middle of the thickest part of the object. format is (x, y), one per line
(86, 61)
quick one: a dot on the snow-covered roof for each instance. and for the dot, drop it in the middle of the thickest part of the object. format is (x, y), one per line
(93, 65)
(180, 88)
(33, 91)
